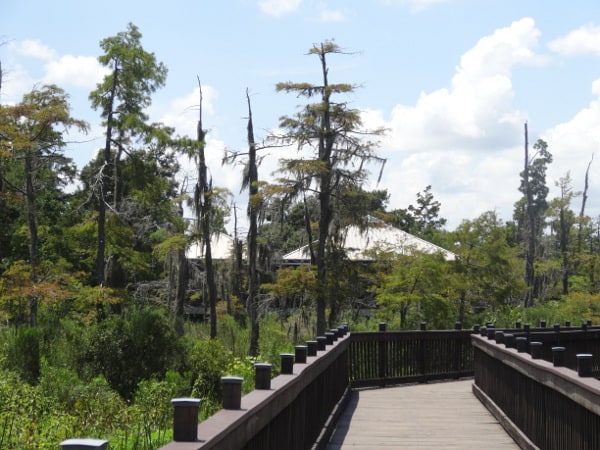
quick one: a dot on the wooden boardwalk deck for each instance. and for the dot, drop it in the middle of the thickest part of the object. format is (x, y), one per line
(426, 416)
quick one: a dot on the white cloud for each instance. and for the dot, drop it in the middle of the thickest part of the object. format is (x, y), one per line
(279, 7)
(416, 6)
(182, 113)
(15, 82)
(79, 71)
(572, 145)
(328, 15)
(465, 140)
(584, 40)
(33, 48)
(476, 111)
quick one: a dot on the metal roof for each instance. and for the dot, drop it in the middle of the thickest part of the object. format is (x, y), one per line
(378, 236)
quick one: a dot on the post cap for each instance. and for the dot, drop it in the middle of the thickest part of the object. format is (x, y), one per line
(84, 443)
(232, 380)
(185, 401)
(263, 365)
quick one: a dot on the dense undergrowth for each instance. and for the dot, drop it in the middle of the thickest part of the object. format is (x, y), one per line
(114, 379)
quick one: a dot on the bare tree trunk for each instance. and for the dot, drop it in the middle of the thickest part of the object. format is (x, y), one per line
(104, 181)
(308, 228)
(325, 150)
(34, 258)
(583, 202)
(180, 268)
(253, 281)
(530, 253)
(203, 212)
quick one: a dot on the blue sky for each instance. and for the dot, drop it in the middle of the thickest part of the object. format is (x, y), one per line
(453, 81)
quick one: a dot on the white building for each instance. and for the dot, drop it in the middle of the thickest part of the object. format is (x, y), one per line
(359, 244)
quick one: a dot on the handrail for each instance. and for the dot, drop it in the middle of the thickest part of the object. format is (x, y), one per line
(299, 411)
(540, 404)
(290, 415)
(395, 357)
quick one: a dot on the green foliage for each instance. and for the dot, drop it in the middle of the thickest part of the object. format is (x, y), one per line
(415, 290)
(128, 350)
(208, 361)
(24, 354)
(422, 220)
(273, 341)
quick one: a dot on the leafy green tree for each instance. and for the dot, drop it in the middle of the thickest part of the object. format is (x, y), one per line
(414, 288)
(333, 132)
(32, 138)
(148, 212)
(562, 223)
(487, 272)
(423, 219)
(122, 97)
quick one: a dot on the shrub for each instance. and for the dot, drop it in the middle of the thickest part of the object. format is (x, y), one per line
(128, 350)
(23, 354)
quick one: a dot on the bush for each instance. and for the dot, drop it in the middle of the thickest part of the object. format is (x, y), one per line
(23, 354)
(127, 351)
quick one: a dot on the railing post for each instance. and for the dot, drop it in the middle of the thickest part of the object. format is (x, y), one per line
(185, 419)
(558, 356)
(382, 355)
(335, 332)
(521, 344)
(509, 340)
(457, 349)
(535, 349)
(84, 444)
(542, 323)
(518, 324)
(584, 364)
(232, 392)
(287, 363)
(262, 376)
(300, 354)
(311, 348)
(321, 343)
(330, 337)
(423, 327)
(499, 337)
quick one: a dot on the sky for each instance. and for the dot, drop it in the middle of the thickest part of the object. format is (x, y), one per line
(452, 81)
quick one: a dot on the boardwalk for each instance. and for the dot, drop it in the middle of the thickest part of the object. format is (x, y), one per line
(425, 416)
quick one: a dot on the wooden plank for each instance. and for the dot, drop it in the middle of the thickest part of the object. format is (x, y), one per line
(437, 415)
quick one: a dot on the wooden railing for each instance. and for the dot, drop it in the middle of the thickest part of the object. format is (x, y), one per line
(541, 399)
(387, 358)
(300, 409)
(292, 414)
